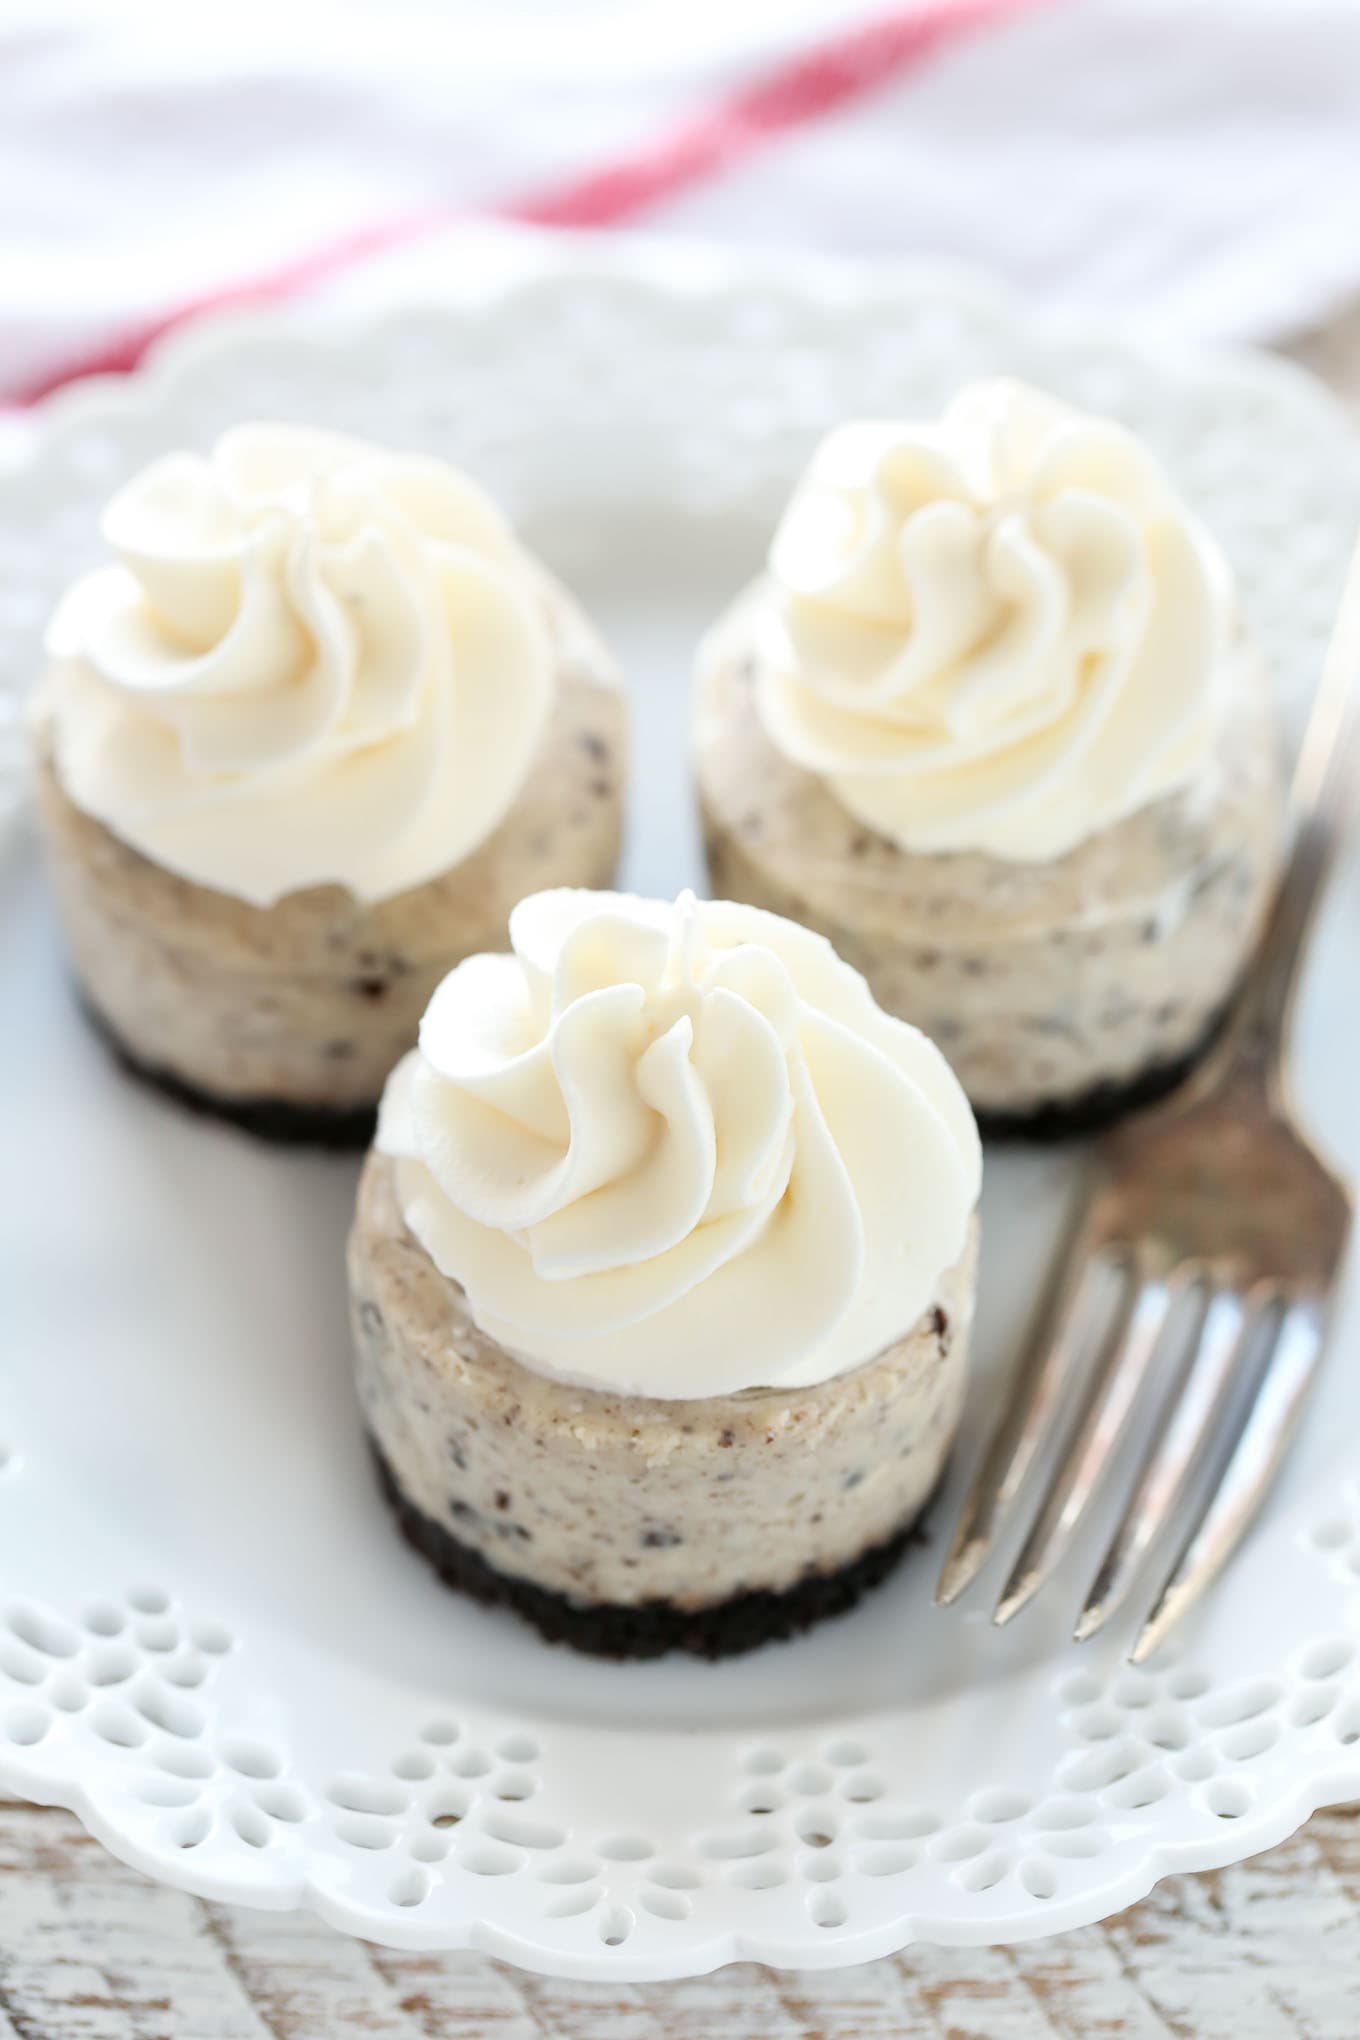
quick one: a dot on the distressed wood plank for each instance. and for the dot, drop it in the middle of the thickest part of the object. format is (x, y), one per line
(89, 1950)
(306, 1981)
(880, 2001)
(965, 1994)
(740, 2003)
(459, 1997)
(92, 1951)
(1272, 1945)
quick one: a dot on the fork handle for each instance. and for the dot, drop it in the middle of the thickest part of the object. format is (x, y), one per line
(1323, 802)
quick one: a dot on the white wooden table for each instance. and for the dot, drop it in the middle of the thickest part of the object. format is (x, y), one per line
(91, 1951)
(1269, 1950)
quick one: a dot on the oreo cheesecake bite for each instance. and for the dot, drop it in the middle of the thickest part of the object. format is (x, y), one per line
(989, 722)
(300, 749)
(662, 1276)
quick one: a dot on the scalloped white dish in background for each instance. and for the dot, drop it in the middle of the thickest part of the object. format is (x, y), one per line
(213, 1646)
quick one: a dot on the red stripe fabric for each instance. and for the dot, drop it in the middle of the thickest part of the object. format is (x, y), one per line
(807, 87)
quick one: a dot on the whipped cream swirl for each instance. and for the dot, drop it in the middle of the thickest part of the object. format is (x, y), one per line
(1003, 632)
(678, 1150)
(315, 663)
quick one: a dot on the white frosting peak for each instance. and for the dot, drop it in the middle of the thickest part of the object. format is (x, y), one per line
(315, 663)
(678, 1150)
(1002, 632)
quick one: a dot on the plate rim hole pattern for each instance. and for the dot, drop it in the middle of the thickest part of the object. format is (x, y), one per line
(26, 1722)
(183, 1760)
(673, 1876)
(104, 1618)
(1036, 1877)
(1314, 1703)
(1347, 1724)
(144, 1598)
(486, 1858)
(158, 1789)
(961, 1843)
(1325, 1658)
(625, 1848)
(470, 1762)
(360, 1792)
(1228, 1798)
(826, 1907)
(1249, 1739)
(440, 1731)
(519, 1833)
(171, 1713)
(575, 1900)
(42, 1631)
(1244, 1702)
(999, 1807)
(758, 1873)
(157, 1634)
(616, 1923)
(664, 1904)
(363, 1831)
(886, 1859)
(188, 1669)
(845, 1753)
(896, 1824)
(816, 1827)
(809, 1780)
(1147, 1787)
(281, 1800)
(251, 1759)
(985, 1872)
(862, 1788)
(114, 1723)
(736, 1846)
(191, 1827)
(428, 1848)
(413, 1767)
(571, 1870)
(250, 1823)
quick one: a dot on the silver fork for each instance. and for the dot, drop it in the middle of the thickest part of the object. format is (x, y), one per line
(1210, 1248)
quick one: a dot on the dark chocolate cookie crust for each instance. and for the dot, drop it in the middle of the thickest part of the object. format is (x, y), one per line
(281, 1121)
(1098, 1108)
(651, 1628)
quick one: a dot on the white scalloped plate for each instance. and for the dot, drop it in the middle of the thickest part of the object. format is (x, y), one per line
(212, 1645)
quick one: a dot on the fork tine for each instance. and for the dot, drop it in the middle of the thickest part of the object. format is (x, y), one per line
(1120, 1373)
(1260, 1444)
(1055, 1343)
(1172, 1456)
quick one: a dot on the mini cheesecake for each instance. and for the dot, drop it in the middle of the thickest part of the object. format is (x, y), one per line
(300, 752)
(989, 723)
(662, 1277)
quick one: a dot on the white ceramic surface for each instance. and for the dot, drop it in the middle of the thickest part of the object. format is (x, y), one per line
(212, 1645)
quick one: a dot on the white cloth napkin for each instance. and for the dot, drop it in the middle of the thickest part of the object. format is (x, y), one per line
(1195, 162)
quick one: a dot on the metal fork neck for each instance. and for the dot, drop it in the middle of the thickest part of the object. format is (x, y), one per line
(1323, 803)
